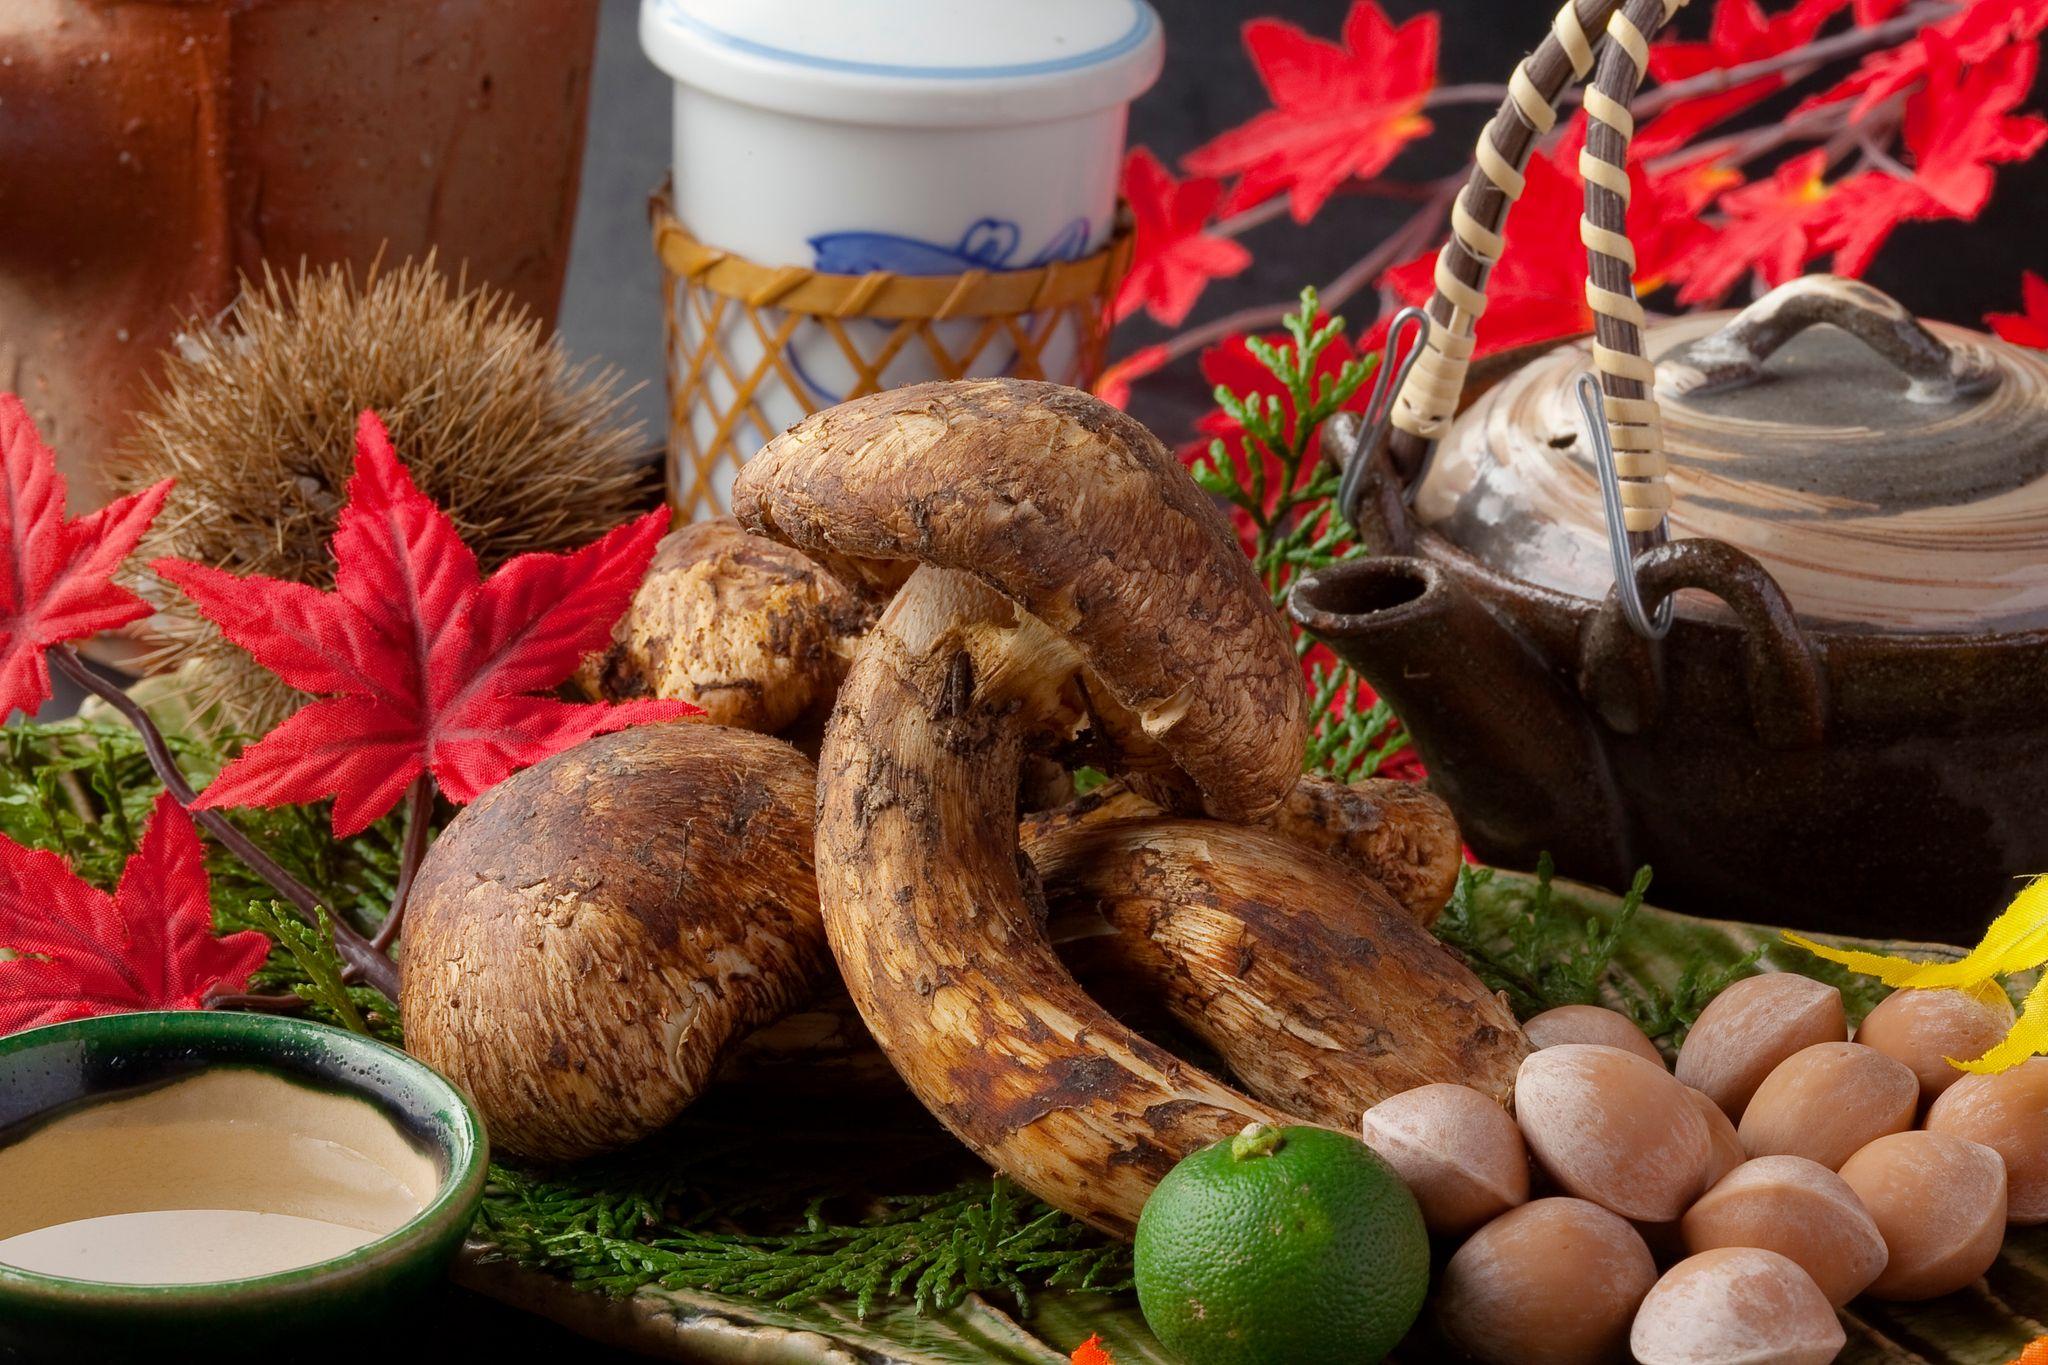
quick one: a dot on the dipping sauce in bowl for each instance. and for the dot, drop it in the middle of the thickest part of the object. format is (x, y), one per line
(183, 1177)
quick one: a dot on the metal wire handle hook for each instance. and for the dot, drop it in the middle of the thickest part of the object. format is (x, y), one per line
(1625, 586)
(1379, 408)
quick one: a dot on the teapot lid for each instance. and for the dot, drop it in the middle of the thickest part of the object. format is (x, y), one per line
(1878, 499)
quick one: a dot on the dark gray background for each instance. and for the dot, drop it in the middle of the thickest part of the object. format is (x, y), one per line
(612, 309)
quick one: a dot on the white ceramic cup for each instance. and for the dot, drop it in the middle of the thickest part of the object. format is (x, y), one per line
(922, 137)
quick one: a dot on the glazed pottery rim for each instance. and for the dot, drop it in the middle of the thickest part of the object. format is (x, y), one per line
(237, 1039)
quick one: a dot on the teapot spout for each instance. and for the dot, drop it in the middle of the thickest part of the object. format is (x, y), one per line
(1507, 743)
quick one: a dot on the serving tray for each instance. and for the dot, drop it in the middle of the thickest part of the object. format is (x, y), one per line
(1987, 1324)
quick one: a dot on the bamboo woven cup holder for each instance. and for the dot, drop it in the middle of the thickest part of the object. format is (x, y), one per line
(745, 341)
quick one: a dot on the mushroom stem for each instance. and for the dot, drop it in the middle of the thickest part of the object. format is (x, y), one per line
(942, 949)
(1399, 834)
(1321, 993)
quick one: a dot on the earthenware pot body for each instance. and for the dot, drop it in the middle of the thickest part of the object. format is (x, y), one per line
(152, 152)
(52, 1071)
(1847, 724)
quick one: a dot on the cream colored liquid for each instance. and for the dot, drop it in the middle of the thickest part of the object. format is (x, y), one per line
(180, 1246)
(223, 1176)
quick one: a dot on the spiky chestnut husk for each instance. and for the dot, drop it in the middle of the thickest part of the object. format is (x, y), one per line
(255, 418)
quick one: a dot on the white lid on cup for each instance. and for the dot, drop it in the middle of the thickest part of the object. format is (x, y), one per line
(917, 62)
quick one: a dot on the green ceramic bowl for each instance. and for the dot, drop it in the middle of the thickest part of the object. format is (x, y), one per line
(48, 1073)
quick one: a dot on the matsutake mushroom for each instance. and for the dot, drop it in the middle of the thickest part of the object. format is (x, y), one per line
(584, 941)
(1321, 993)
(1074, 579)
(753, 632)
(1399, 834)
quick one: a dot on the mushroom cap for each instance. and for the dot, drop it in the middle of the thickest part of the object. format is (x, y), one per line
(1081, 516)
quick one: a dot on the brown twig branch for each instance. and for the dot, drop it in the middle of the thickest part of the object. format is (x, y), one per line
(419, 816)
(1404, 241)
(363, 960)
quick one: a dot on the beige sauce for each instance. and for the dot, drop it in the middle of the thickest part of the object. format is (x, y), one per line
(228, 1174)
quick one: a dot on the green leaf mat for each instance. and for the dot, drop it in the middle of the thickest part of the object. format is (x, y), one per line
(1985, 1325)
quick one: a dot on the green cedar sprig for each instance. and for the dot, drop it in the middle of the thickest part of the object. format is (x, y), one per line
(934, 1250)
(1273, 474)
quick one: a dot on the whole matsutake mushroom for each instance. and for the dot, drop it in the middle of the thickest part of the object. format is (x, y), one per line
(584, 941)
(1318, 989)
(1073, 577)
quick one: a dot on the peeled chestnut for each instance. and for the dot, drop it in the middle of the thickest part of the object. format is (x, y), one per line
(1827, 1101)
(1940, 1203)
(2007, 1112)
(1799, 1209)
(1608, 1126)
(1554, 1282)
(1736, 1306)
(1924, 1029)
(1751, 1027)
(1590, 1024)
(1457, 1150)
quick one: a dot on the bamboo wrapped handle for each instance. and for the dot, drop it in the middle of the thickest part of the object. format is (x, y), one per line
(1424, 406)
(1627, 378)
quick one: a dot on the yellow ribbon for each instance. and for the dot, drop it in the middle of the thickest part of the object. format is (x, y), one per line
(2017, 941)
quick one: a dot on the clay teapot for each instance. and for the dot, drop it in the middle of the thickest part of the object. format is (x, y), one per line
(1799, 666)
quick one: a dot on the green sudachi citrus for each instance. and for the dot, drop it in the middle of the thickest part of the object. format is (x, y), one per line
(1282, 1246)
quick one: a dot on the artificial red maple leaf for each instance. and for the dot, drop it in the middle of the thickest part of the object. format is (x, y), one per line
(149, 946)
(1957, 125)
(1973, 33)
(1876, 11)
(57, 575)
(1767, 230)
(1174, 257)
(422, 666)
(1338, 111)
(2029, 326)
(1740, 33)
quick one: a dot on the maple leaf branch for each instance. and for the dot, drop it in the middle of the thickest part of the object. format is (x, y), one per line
(419, 814)
(364, 960)
(1854, 42)
(1413, 236)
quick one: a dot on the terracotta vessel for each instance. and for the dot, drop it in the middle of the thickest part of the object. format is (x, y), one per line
(153, 151)
(1846, 725)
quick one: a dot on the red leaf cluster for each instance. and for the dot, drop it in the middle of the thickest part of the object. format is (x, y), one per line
(422, 665)
(56, 575)
(1174, 255)
(1740, 32)
(150, 945)
(1339, 110)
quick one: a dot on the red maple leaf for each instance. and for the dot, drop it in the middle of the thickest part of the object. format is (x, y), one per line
(422, 665)
(1767, 229)
(1338, 111)
(1740, 33)
(1973, 33)
(1174, 257)
(1869, 12)
(57, 576)
(1957, 126)
(148, 946)
(2029, 326)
